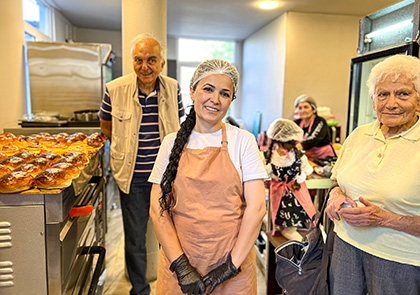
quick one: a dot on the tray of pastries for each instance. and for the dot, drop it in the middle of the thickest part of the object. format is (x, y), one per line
(45, 161)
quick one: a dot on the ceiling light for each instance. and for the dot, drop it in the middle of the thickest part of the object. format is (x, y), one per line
(389, 29)
(268, 4)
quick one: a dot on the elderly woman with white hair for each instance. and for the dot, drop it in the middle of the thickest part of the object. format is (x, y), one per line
(375, 197)
(208, 199)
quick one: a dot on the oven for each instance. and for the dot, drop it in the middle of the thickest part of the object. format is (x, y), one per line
(52, 242)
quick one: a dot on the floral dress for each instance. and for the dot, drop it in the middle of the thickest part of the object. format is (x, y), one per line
(286, 170)
(290, 212)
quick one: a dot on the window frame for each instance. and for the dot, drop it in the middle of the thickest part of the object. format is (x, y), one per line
(40, 36)
(194, 64)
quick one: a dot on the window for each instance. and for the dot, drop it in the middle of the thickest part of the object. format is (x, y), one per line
(37, 14)
(191, 52)
(208, 49)
(37, 17)
(28, 37)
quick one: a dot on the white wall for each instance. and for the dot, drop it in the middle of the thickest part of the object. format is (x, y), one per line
(63, 29)
(263, 74)
(298, 53)
(319, 49)
(11, 60)
(103, 36)
(171, 48)
(115, 39)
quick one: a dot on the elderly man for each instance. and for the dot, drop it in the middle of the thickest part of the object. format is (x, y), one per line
(137, 111)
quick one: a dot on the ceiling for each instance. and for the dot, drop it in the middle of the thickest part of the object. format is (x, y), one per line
(210, 19)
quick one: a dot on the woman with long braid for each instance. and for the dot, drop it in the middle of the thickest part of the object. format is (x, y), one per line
(208, 198)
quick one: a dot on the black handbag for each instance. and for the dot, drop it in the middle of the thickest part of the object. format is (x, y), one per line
(302, 267)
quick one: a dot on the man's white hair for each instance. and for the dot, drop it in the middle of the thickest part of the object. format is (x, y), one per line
(140, 38)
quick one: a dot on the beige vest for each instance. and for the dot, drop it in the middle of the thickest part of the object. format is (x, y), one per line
(126, 119)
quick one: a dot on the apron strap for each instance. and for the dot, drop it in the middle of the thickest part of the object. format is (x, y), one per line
(309, 127)
(224, 136)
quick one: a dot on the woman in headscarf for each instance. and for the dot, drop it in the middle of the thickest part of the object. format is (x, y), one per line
(208, 198)
(316, 137)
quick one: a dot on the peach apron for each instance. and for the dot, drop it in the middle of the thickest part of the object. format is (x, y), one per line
(207, 216)
(317, 152)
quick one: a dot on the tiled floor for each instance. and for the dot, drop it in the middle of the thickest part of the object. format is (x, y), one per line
(116, 282)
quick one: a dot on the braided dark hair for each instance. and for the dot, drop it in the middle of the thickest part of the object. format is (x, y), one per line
(166, 201)
(288, 145)
(208, 67)
(269, 152)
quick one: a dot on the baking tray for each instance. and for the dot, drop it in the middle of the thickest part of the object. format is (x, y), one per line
(60, 123)
(57, 202)
(93, 123)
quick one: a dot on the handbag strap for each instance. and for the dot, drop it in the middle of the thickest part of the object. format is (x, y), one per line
(324, 205)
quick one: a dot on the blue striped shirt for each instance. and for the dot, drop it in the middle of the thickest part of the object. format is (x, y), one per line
(149, 139)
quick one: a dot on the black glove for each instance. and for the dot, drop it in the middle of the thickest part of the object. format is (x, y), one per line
(189, 279)
(220, 274)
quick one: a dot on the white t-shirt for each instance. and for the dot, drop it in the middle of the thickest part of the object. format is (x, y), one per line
(242, 147)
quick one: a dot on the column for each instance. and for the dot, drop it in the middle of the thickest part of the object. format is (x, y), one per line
(141, 16)
(12, 87)
(144, 16)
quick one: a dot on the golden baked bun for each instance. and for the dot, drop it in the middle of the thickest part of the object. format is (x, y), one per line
(75, 138)
(69, 140)
(6, 138)
(24, 141)
(79, 135)
(70, 168)
(9, 149)
(53, 178)
(60, 136)
(41, 162)
(15, 182)
(48, 140)
(12, 162)
(96, 140)
(53, 157)
(80, 155)
(32, 169)
(27, 156)
(77, 144)
(89, 150)
(41, 135)
(76, 161)
(59, 149)
(35, 149)
(4, 170)
(8, 135)
(2, 156)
